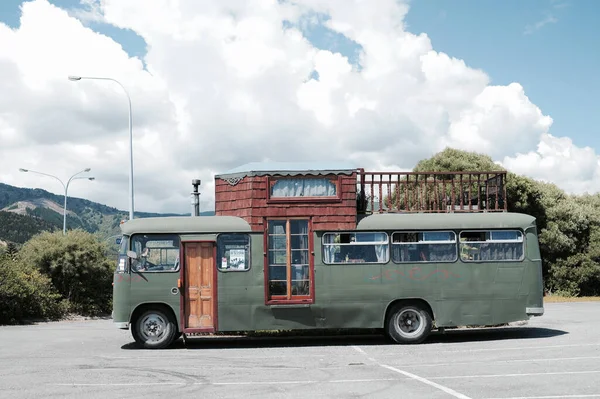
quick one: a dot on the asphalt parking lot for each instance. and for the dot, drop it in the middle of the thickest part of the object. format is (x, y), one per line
(555, 356)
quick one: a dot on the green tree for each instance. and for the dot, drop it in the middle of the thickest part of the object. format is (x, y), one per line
(77, 266)
(25, 293)
(452, 160)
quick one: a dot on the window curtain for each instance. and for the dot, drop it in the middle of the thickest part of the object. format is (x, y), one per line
(303, 188)
(329, 250)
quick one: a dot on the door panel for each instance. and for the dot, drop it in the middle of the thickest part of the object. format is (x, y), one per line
(199, 289)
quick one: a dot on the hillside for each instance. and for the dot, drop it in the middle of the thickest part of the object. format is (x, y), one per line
(25, 212)
(20, 228)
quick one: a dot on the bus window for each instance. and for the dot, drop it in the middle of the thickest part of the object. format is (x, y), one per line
(426, 246)
(122, 257)
(342, 248)
(156, 252)
(233, 252)
(491, 245)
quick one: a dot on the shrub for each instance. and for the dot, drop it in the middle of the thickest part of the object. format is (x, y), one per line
(77, 266)
(26, 294)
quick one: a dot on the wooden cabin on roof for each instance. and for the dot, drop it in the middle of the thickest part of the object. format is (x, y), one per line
(337, 195)
(323, 191)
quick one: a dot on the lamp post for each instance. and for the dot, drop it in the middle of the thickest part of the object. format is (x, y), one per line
(65, 186)
(77, 78)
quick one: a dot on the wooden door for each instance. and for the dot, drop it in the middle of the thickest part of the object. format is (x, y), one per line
(199, 285)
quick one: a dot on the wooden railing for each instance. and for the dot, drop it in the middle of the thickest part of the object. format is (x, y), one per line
(382, 192)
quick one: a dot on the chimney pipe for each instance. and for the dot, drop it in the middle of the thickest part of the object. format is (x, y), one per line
(195, 198)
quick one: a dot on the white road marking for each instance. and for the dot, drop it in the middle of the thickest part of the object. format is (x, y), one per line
(358, 349)
(449, 391)
(136, 384)
(515, 348)
(553, 397)
(455, 377)
(555, 359)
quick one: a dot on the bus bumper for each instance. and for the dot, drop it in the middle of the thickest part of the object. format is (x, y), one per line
(534, 311)
(122, 325)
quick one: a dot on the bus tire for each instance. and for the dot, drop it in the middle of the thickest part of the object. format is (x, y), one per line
(408, 323)
(154, 329)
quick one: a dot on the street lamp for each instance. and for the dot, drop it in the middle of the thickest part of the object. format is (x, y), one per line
(78, 78)
(65, 186)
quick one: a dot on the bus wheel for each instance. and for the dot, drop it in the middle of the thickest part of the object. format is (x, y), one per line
(154, 329)
(408, 323)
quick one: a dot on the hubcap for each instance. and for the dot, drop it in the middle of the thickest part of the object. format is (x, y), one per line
(409, 323)
(153, 327)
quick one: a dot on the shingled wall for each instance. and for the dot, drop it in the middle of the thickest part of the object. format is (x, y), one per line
(248, 199)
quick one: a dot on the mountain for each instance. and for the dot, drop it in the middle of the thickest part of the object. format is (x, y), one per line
(25, 212)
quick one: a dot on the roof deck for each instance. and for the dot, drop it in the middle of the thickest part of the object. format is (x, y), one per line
(383, 192)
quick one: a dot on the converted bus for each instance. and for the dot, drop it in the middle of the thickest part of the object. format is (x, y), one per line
(296, 246)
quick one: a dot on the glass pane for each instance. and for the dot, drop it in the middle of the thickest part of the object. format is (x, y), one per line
(300, 272)
(424, 253)
(301, 287)
(156, 252)
(277, 226)
(277, 288)
(405, 237)
(439, 236)
(303, 187)
(233, 252)
(277, 242)
(277, 273)
(298, 226)
(278, 257)
(300, 256)
(370, 237)
(299, 242)
(506, 235)
(491, 251)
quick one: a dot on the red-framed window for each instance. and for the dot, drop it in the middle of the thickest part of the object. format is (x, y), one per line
(304, 188)
(289, 264)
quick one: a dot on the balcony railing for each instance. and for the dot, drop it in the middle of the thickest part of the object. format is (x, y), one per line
(383, 192)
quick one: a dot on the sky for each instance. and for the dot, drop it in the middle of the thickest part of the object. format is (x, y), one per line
(217, 84)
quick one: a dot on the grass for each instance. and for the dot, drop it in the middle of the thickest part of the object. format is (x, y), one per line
(557, 298)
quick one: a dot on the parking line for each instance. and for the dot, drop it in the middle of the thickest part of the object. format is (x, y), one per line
(515, 348)
(457, 377)
(552, 397)
(443, 388)
(137, 384)
(449, 391)
(555, 359)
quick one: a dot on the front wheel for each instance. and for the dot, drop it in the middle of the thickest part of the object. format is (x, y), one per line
(408, 323)
(154, 329)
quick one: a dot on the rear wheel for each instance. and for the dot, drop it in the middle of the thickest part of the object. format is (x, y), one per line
(154, 329)
(408, 323)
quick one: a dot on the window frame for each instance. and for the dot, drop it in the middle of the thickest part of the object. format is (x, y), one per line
(324, 245)
(289, 298)
(336, 180)
(156, 237)
(219, 255)
(509, 241)
(454, 243)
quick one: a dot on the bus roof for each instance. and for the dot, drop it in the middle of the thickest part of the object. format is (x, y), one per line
(186, 224)
(436, 221)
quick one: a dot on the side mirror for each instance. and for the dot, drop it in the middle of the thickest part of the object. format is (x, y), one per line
(132, 254)
(118, 241)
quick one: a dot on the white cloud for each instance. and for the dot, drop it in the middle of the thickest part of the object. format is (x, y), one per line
(229, 82)
(548, 19)
(558, 160)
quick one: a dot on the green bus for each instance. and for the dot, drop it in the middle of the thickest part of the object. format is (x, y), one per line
(404, 273)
